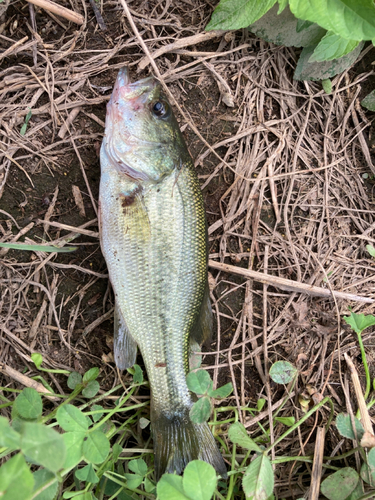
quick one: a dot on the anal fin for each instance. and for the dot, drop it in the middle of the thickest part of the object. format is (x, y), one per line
(202, 330)
(125, 348)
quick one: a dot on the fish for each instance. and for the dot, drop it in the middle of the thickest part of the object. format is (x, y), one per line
(153, 236)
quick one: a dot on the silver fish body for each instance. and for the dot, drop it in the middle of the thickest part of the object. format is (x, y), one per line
(153, 237)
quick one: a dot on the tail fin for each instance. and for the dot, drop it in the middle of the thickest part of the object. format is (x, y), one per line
(177, 441)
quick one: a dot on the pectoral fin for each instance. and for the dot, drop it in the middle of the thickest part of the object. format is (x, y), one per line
(202, 330)
(125, 348)
(135, 216)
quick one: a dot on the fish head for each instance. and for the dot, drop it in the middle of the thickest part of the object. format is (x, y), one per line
(142, 137)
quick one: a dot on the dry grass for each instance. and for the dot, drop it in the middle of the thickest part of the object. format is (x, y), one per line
(281, 171)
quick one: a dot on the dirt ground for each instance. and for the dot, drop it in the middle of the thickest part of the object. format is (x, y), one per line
(287, 175)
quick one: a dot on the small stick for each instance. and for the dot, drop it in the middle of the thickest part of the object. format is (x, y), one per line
(179, 44)
(72, 116)
(50, 210)
(284, 284)
(365, 417)
(13, 47)
(73, 229)
(26, 381)
(59, 10)
(317, 464)
(98, 16)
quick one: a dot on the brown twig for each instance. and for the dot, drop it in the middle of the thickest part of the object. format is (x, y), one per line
(285, 284)
(24, 380)
(316, 475)
(59, 10)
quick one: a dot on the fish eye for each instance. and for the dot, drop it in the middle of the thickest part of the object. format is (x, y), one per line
(160, 109)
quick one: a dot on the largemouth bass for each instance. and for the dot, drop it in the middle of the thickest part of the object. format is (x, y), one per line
(154, 239)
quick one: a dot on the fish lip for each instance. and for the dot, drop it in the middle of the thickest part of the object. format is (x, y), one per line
(123, 77)
(123, 80)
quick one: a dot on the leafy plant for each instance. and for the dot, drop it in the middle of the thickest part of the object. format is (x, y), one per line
(27, 119)
(332, 34)
(45, 458)
(359, 322)
(200, 383)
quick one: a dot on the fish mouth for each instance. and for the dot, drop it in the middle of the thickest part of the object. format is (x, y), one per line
(127, 89)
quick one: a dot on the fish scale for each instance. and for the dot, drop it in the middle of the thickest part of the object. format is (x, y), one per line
(154, 239)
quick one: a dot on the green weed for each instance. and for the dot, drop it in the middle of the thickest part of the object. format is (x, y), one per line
(331, 34)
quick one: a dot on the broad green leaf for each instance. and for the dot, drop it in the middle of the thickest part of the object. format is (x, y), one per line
(138, 374)
(109, 486)
(282, 372)
(370, 248)
(199, 480)
(91, 389)
(87, 474)
(327, 86)
(73, 443)
(357, 493)
(91, 374)
(289, 421)
(340, 485)
(260, 404)
(345, 428)
(258, 479)
(367, 474)
(70, 418)
(37, 359)
(85, 495)
(369, 103)
(95, 447)
(150, 487)
(29, 404)
(170, 487)
(16, 480)
(238, 435)
(368, 470)
(282, 5)
(138, 466)
(97, 416)
(8, 436)
(201, 410)
(323, 70)
(221, 392)
(133, 480)
(199, 382)
(37, 248)
(302, 25)
(236, 14)
(351, 19)
(116, 450)
(282, 29)
(74, 379)
(332, 46)
(360, 321)
(41, 478)
(43, 445)
(143, 422)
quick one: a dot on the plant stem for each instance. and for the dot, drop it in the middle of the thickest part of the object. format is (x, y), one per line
(231, 479)
(365, 365)
(305, 417)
